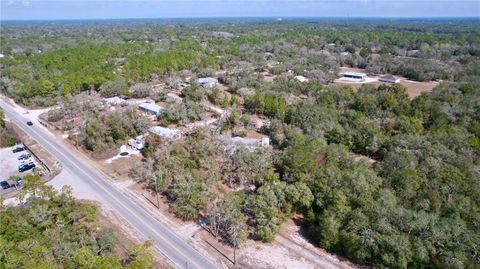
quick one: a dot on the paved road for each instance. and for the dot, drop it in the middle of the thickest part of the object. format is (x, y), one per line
(171, 245)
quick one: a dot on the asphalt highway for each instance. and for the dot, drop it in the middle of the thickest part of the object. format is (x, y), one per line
(181, 254)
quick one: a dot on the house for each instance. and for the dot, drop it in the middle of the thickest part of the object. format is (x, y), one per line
(389, 79)
(355, 75)
(300, 78)
(208, 82)
(149, 107)
(165, 132)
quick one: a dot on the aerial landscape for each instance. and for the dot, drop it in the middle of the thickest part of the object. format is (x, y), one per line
(240, 134)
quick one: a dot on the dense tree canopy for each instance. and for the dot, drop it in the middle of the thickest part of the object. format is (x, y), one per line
(51, 230)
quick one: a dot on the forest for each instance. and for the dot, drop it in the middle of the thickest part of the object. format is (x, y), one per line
(382, 179)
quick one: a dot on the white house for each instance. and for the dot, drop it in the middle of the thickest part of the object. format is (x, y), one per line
(208, 82)
(150, 108)
(389, 79)
(165, 132)
(355, 75)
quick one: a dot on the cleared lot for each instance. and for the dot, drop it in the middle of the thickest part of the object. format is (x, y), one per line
(414, 88)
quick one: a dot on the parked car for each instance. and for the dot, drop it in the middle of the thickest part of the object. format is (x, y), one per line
(26, 167)
(18, 149)
(4, 185)
(19, 181)
(24, 156)
(25, 161)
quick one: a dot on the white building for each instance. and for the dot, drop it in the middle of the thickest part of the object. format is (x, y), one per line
(389, 79)
(137, 144)
(165, 132)
(355, 75)
(300, 78)
(208, 82)
(150, 108)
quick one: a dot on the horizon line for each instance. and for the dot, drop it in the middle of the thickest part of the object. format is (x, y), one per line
(245, 17)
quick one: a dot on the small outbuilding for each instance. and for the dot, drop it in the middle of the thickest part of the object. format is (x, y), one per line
(150, 108)
(389, 79)
(355, 75)
(207, 82)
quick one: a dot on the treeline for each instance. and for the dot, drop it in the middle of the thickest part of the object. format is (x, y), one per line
(51, 230)
(85, 57)
(40, 78)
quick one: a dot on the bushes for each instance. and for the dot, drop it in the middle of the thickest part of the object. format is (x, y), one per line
(102, 131)
(11, 142)
(50, 230)
(187, 112)
(266, 104)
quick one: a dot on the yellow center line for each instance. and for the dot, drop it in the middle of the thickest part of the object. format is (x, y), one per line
(115, 198)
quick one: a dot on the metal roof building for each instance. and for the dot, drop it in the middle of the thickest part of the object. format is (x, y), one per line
(356, 75)
(389, 79)
(150, 108)
(207, 82)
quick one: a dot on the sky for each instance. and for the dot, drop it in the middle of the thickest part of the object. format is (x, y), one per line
(111, 9)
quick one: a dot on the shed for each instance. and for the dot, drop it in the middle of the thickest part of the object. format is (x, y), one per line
(208, 82)
(355, 75)
(389, 79)
(150, 108)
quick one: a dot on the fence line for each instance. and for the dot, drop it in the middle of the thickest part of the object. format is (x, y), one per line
(38, 158)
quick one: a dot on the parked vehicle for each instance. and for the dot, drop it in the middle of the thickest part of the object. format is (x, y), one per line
(26, 167)
(25, 161)
(137, 144)
(19, 181)
(18, 149)
(4, 185)
(24, 156)
(29, 123)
